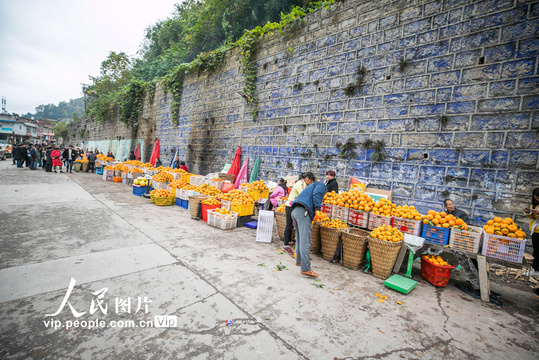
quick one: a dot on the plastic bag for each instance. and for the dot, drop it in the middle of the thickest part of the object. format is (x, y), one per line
(227, 186)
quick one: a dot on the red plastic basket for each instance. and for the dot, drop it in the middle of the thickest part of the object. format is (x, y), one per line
(435, 274)
(205, 208)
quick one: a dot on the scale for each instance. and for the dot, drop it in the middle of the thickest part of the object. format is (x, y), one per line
(405, 284)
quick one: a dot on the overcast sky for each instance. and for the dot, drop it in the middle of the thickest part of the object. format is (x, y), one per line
(49, 47)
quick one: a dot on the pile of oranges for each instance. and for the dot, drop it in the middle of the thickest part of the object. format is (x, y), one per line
(133, 162)
(335, 224)
(407, 212)
(136, 170)
(281, 208)
(211, 201)
(444, 220)
(191, 187)
(209, 190)
(118, 166)
(504, 227)
(387, 233)
(322, 217)
(164, 168)
(82, 160)
(163, 176)
(256, 185)
(178, 183)
(350, 199)
(181, 171)
(238, 197)
(146, 165)
(283, 198)
(106, 167)
(224, 211)
(384, 207)
(161, 193)
(436, 260)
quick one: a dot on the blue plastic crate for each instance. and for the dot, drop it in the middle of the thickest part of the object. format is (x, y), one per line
(99, 170)
(252, 224)
(140, 190)
(184, 204)
(178, 202)
(436, 235)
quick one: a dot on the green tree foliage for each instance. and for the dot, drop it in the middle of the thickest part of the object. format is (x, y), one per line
(60, 129)
(61, 111)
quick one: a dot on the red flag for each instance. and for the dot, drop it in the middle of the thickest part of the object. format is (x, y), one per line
(155, 153)
(137, 152)
(235, 167)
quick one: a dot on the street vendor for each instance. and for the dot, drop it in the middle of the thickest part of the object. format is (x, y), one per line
(451, 209)
(533, 214)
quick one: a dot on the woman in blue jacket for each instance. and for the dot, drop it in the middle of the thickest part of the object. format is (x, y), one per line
(304, 211)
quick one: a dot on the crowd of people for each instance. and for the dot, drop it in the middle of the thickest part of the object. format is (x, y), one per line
(51, 158)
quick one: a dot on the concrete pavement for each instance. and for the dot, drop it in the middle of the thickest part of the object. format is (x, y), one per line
(119, 248)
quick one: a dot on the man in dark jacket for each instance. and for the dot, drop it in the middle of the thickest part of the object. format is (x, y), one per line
(32, 157)
(48, 160)
(91, 161)
(17, 153)
(69, 155)
(132, 156)
(331, 182)
(305, 210)
(451, 209)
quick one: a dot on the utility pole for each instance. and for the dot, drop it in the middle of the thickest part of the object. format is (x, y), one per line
(4, 105)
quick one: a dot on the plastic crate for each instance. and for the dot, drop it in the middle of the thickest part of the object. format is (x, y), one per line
(503, 248)
(140, 190)
(172, 190)
(358, 218)
(182, 203)
(117, 179)
(205, 209)
(466, 240)
(258, 194)
(221, 221)
(217, 184)
(226, 204)
(379, 220)
(165, 201)
(408, 226)
(242, 220)
(435, 274)
(186, 177)
(326, 209)
(435, 235)
(159, 185)
(99, 170)
(243, 210)
(340, 213)
(197, 180)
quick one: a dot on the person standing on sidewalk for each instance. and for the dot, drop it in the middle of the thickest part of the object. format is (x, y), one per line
(304, 180)
(56, 162)
(17, 155)
(91, 161)
(305, 210)
(48, 160)
(70, 155)
(533, 214)
(32, 157)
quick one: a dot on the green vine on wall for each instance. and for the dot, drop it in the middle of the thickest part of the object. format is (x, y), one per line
(132, 101)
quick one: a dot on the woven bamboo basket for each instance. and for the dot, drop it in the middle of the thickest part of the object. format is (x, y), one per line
(383, 256)
(280, 219)
(330, 240)
(354, 247)
(194, 201)
(316, 243)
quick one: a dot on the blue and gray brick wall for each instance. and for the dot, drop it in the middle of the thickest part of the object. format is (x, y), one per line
(460, 121)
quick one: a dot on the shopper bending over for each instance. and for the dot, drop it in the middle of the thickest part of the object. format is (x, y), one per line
(304, 180)
(304, 211)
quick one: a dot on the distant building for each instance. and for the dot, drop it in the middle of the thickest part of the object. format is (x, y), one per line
(14, 129)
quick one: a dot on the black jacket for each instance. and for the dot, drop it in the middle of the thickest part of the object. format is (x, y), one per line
(91, 158)
(461, 214)
(73, 154)
(332, 185)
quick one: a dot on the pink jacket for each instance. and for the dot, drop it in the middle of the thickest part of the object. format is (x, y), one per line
(277, 193)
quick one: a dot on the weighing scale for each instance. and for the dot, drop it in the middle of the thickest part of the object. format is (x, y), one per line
(405, 284)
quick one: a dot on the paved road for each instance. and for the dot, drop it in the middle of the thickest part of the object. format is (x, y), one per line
(134, 260)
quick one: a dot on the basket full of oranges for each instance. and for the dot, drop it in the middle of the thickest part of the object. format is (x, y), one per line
(385, 243)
